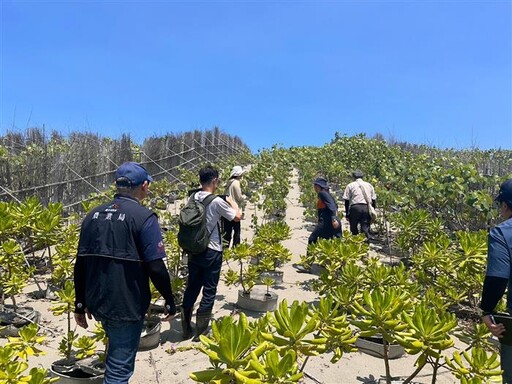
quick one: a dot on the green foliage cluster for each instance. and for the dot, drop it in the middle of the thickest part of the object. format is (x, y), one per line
(26, 227)
(271, 349)
(455, 187)
(414, 305)
(268, 183)
(73, 346)
(453, 268)
(266, 253)
(277, 347)
(175, 265)
(14, 355)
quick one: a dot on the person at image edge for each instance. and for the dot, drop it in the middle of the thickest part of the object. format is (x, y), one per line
(499, 275)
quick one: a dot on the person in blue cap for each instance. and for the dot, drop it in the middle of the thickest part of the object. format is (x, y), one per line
(120, 250)
(499, 275)
(328, 225)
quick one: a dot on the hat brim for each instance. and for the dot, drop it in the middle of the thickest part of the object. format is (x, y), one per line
(501, 198)
(324, 186)
(236, 174)
(128, 183)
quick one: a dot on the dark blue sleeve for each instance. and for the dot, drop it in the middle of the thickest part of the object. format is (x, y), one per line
(498, 257)
(492, 291)
(329, 202)
(151, 241)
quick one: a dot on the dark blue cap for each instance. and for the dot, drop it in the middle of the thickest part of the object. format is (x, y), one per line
(505, 191)
(321, 182)
(134, 172)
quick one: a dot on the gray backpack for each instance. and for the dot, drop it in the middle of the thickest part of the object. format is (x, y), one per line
(193, 235)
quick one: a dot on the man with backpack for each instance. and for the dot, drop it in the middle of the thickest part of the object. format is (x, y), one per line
(204, 265)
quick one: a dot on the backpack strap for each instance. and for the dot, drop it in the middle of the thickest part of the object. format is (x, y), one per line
(208, 199)
(206, 202)
(364, 193)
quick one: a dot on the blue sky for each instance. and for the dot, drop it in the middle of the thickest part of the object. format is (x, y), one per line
(282, 72)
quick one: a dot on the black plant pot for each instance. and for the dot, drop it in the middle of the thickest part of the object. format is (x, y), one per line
(70, 371)
(150, 336)
(13, 321)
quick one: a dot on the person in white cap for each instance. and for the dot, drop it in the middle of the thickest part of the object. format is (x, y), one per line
(358, 195)
(233, 189)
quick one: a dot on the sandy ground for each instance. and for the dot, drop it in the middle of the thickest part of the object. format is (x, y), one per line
(159, 366)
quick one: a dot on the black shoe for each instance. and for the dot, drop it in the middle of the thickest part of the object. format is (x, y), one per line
(186, 323)
(202, 322)
(302, 268)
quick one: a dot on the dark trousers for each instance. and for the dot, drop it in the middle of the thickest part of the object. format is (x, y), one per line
(203, 273)
(506, 362)
(231, 229)
(324, 231)
(359, 215)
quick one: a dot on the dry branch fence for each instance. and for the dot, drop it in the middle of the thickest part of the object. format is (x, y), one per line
(67, 170)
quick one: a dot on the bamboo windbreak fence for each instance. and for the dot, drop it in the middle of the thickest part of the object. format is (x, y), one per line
(68, 170)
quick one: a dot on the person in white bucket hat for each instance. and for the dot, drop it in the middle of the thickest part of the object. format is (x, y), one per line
(236, 171)
(232, 228)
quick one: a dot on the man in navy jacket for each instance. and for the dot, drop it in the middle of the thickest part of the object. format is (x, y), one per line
(119, 251)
